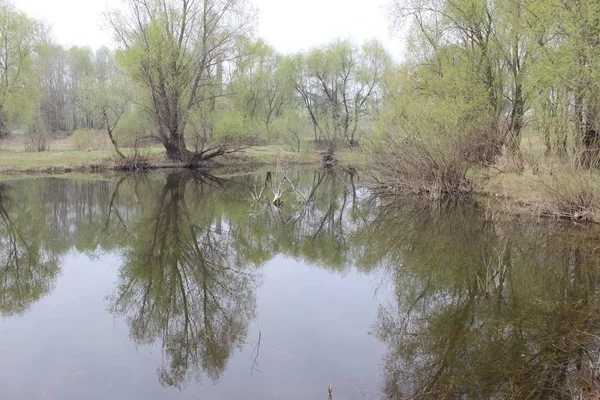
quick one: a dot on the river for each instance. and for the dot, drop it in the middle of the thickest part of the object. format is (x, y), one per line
(181, 286)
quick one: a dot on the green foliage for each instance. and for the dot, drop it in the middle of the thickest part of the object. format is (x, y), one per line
(339, 85)
(506, 66)
(260, 91)
(232, 126)
(133, 126)
(20, 35)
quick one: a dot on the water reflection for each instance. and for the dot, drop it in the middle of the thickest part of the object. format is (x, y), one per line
(483, 306)
(190, 248)
(183, 283)
(314, 221)
(28, 262)
(190, 265)
(502, 309)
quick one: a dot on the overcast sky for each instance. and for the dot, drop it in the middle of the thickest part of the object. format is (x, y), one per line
(288, 25)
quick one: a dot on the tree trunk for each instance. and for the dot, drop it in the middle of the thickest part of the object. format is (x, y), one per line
(591, 141)
(4, 131)
(109, 130)
(176, 149)
(516, 120)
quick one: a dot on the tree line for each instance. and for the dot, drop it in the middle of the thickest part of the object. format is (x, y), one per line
(193, 76)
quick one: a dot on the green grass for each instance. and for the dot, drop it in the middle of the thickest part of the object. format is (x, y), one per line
(355, 158)
(24, 161)
(63, 158)
(13, 160)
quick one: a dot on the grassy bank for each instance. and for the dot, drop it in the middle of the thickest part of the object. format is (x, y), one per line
(538, 186)
(530, 181)
(560, 192)
(62, 158)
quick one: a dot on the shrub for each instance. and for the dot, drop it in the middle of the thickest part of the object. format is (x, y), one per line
(434, 128)
(37, 141)
(431, 153)
(571, 195)
(436, 168)
(233, 129)
(37, 137)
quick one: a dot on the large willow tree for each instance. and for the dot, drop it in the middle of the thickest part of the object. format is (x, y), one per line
(175, 50)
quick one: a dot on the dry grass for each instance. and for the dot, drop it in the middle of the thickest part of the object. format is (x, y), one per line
(88, 140)
(544, 186)
(572, 195)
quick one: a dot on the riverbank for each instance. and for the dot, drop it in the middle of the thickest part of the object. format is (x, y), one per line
(549, 190)
(65, 160)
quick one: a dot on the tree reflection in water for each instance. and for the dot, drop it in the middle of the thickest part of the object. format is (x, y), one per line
(182, 283)
(28, 268)
(503, 309)
(189, 272)
(190, 247)
(482, 308)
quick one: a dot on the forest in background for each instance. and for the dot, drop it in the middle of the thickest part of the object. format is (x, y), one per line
(194, 78)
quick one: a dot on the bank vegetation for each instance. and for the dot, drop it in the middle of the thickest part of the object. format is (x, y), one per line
(497, 96)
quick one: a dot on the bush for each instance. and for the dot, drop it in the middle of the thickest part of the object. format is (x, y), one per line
(431, 153)
(37, 137)
(234, 130)
(87, 140)
(436, 168)
(433, 129)
(570, 194)
(37, 141)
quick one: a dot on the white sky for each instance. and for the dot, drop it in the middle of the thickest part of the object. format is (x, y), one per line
(288, 25)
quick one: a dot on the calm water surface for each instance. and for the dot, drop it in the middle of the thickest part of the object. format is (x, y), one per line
(186, 286)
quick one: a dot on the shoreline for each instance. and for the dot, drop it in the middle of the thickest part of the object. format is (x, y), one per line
(523, 193)
(563, 194)
(13, 164)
